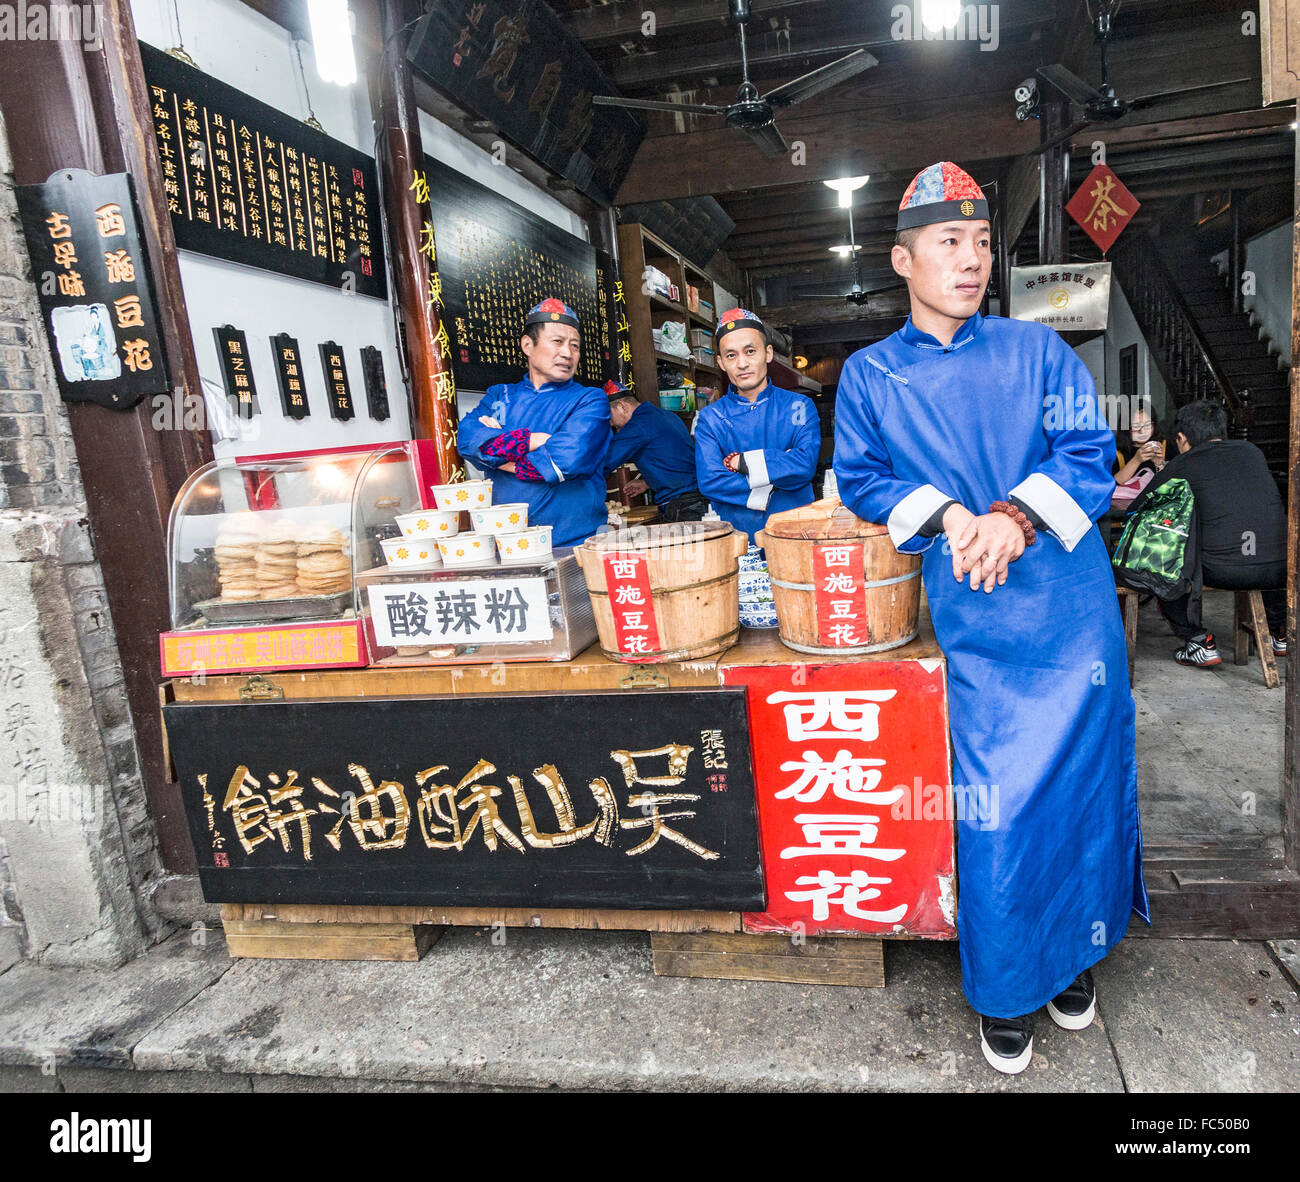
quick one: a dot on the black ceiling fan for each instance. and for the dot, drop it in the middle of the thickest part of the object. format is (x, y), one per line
(856, 294)
(1099, 104)
(753, 113)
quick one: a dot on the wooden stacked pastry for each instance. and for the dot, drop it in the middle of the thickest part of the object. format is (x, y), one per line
(277, 561)
(236, 554)
(323, 568)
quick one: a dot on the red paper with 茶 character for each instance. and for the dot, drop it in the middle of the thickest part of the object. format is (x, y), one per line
(627, 578)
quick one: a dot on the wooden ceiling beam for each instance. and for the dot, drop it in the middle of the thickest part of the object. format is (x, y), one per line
(625, 20)
(807, 312)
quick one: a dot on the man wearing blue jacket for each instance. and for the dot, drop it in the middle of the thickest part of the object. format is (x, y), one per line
(756, 447)
(542, 440)
(657, 441)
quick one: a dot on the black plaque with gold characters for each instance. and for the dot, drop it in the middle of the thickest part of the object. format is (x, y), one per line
(496, 260)
(372, 369)
(289, 375)
(92, 276)
(237, 371)
(336, 381)
(552, 800)
(245, 182)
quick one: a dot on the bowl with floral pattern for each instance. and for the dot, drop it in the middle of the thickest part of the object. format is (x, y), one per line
(429, 523)
(468, 494)
(467, 550)
(500, 519)
(411, 552)
(528, 545)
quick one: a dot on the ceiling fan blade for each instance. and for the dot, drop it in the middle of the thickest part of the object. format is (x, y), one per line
(823, 78)
(1063, 138)
(1149, 100)
(768, 138)
(652, 105)
(1070, 85)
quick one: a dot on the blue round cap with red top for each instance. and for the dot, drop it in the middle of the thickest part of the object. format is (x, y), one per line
(615, 390)
(739, 318)
(942, 193)
(552, 311)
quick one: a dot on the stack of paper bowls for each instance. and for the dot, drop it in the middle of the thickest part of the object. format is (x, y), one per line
(757, 606)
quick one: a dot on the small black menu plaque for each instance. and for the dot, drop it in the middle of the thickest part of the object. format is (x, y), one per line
(336, 381)
(237, 370)
(372, 366)
(288, 372)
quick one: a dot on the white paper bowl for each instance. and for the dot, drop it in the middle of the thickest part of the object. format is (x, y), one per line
(528, 545)
(411, 552)
(467, 550)
(468, 494)
(500, 519)
(429, 523)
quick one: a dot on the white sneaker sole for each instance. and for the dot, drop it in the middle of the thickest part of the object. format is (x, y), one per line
(1073, 1021)
(1007, 1066)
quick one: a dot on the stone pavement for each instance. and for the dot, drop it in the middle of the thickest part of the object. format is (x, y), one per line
(583, 1010)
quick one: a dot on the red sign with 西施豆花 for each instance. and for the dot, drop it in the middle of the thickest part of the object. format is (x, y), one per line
(1103, 207)
(855, 804)
(839, 580)
(627, 578)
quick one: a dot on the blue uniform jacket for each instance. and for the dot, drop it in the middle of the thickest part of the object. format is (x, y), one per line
(779, 434)
(571, 493)
(657, 441)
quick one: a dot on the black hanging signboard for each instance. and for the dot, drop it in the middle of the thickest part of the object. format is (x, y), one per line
(372, 368)
(336, 381)
(92, 275)
(497, 260)
(551, 800)
(247, 183)
(237, 371)
(289, 376)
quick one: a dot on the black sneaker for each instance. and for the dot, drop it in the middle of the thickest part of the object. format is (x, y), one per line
(1203, 653)
(1007, 1043)
(1076, 1005)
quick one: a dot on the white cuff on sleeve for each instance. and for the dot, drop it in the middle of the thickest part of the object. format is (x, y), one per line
(559, 476)
(913, 511)
(1060, 511)
(759, 497)
(756, 464)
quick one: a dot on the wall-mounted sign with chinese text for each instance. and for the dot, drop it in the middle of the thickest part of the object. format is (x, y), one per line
(547, 800)
(855, 798)
(337, 389)
(1103, 207)
(289, 376)
(1070, 298)
(92, 275)
(515, 65)
(245, 182)
(372, 369)
(481, 611)
(237, 371)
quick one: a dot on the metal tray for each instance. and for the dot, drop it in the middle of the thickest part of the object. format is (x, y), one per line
(260, 611)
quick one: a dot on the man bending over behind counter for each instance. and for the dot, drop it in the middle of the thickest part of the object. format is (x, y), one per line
(657, 441)
(542, 440)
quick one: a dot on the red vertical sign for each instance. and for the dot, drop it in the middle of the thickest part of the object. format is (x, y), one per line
(627, 577)
(855, 803)
(839, 585)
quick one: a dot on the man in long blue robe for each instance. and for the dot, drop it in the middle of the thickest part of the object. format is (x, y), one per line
(542, 440)
(988, 430)
(657, 441)
(756, 447)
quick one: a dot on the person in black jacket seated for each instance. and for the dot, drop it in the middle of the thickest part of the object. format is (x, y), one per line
(1242, 530)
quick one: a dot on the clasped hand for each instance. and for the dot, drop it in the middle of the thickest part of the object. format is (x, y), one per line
(982, 547)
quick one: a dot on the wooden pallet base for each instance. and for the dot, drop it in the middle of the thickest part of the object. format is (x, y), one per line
(274, 939)
(744, 957)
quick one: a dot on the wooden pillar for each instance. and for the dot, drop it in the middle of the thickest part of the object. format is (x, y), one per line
(1291, 755)
(413, 252)
(1053, 180)
(66, 106)
(1004, 242)
(1236, 249)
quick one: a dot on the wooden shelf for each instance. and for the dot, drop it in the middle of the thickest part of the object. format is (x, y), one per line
(712, 369)
(702, 320)
(673, 359)
(662, 301)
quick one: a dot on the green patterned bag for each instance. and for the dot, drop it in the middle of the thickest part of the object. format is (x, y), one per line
(1151, 554)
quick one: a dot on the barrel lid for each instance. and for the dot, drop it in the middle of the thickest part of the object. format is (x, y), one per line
(647, 537)
(828, 518)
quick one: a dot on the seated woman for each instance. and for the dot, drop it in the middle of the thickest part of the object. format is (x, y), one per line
(1141, 448)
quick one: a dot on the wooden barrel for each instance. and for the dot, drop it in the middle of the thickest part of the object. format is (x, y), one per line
(687, 571)
(839, 584)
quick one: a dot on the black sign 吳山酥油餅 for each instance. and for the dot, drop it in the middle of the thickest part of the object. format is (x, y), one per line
(496, 260)
(372, 370)
(336, 381)
(551, 800)
(290, 377)
(515, 65)
(237, 371)
(247, 183)
(92, 276)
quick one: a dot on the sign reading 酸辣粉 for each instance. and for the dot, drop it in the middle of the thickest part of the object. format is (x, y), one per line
(477, 611)
(1069, 298)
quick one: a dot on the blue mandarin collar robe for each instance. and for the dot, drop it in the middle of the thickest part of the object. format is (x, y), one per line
(571, 493)
(657, 441)
(779, 434)
(1043, 721)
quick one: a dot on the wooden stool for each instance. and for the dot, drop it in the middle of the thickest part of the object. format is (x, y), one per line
(1128, 606)
(1251, 624)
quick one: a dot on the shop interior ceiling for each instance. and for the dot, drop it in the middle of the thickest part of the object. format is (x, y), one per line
(926, 100)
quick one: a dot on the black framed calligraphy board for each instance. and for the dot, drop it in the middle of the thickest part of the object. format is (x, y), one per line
(551, 800)
(247, 183)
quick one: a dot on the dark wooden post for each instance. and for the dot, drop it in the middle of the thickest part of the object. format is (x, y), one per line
(1053, 179)
(412, 249)
(1236, 250)
(1003, 218)
(1291, 756)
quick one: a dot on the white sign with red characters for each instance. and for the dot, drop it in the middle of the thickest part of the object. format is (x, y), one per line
(855, 808)
(627, 577)
(839, 582)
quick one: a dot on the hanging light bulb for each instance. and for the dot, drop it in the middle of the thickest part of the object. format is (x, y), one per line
(940, 14)
(846, 186)
(331, 37)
